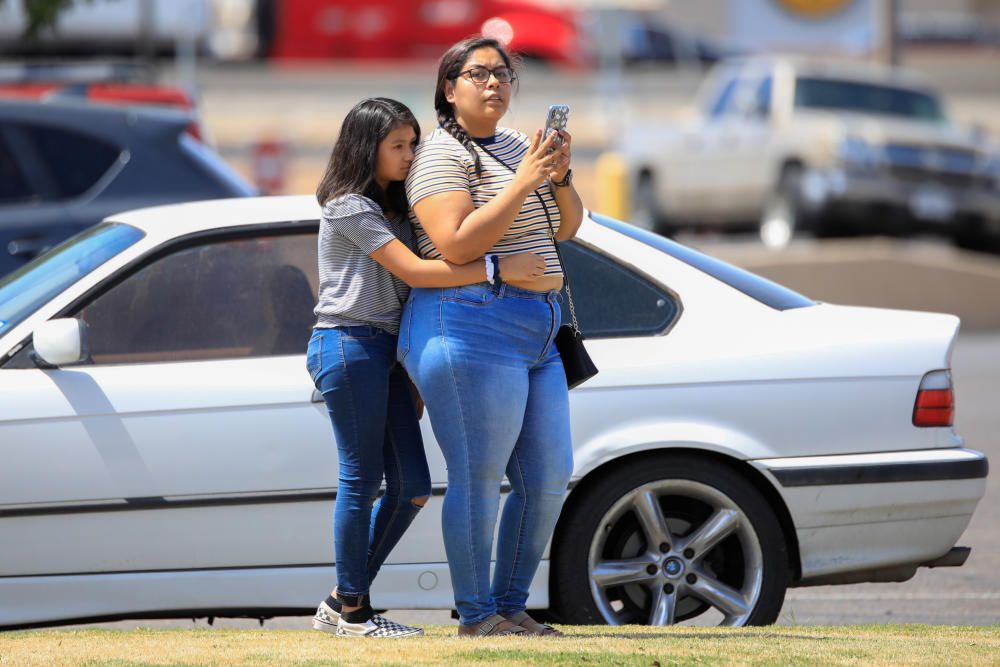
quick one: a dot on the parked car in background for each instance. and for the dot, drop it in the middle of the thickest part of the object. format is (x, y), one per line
(98, 82)
(67, 164)
(650, 41)
(166, 454)
(792, 145)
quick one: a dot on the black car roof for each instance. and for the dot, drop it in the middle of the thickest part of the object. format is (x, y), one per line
(110, 121)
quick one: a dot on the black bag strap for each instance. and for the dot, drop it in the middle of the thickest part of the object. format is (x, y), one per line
(552, 231)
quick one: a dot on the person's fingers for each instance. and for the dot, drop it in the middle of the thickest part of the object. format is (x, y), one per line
(535, 141)
(549, 141)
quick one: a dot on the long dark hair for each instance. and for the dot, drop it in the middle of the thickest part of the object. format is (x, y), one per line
(351, 169)
(448, 70)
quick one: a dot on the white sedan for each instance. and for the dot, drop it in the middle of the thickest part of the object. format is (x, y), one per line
(165, 454)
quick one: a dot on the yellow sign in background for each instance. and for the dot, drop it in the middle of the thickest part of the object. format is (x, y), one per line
(813, 9)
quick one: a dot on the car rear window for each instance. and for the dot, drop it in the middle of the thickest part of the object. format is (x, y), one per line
(74, 161)
(824, 93)
(13, 186)
(761, 289)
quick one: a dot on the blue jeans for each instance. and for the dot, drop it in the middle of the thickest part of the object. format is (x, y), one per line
(375, 425)
(495, 390)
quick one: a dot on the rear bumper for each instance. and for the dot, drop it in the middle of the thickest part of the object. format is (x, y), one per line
(877, 517)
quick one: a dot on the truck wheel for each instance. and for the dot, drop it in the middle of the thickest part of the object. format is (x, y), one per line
(646, 212)
(970, 234)
(663, 540)
(782, 217)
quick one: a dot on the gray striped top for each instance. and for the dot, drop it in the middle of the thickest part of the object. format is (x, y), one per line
(354, 289)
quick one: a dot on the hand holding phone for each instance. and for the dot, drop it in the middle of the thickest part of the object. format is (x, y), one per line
(556, 120)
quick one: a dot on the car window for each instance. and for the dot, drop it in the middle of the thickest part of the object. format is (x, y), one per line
(725, 102)
(864, 97)
(221, 299)
(74, 161)
(612, 300)
(13, 186)
(28, 288)
(761, 289)
(762, 98)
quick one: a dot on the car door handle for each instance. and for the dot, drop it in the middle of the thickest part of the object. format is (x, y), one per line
(316, 396)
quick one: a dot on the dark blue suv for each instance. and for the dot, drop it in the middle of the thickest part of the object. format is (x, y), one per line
(67, 164)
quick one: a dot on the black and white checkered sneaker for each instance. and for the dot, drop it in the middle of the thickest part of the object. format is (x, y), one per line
(326, 618)
(377, 627)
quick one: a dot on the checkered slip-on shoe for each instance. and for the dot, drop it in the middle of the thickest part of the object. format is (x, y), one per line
(377, 627)
(326, 618)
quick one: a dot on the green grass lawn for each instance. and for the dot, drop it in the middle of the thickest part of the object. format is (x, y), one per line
(587, 645)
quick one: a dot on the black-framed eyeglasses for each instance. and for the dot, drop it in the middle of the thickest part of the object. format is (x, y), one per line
(480, 75)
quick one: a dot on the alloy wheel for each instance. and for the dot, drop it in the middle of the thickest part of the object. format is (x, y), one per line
(670, 551)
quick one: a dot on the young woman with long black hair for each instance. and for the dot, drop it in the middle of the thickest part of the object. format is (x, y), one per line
(366, 265)
(483, 355)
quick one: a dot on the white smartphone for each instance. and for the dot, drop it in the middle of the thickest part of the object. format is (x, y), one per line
(556, 120)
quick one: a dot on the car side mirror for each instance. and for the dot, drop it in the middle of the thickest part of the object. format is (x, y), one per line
(61, 342)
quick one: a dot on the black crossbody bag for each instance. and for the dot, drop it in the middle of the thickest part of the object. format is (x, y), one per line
(569, 339)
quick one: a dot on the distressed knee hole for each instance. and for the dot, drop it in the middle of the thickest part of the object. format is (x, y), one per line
(419, 502)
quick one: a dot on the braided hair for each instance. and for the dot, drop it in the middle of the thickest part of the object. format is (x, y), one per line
(448, 70)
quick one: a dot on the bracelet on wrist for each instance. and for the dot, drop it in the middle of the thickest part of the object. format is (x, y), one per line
(497, 278)
(489, 268)
(493, 270)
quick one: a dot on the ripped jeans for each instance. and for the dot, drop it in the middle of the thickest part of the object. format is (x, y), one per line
(378, 435)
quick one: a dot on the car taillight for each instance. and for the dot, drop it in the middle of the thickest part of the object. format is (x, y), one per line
(935, 404)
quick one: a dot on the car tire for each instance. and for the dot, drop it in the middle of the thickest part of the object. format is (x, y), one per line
(783, 217)
(718, 547)
(970, 234)
(646, 212)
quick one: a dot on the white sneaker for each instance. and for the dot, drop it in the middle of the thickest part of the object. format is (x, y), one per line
(326, 618)
(377, 627)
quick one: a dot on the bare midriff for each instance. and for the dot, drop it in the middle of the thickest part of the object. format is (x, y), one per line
(543, 284)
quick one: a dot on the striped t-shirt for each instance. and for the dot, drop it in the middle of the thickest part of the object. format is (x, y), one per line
(354, 289)
(441, 164)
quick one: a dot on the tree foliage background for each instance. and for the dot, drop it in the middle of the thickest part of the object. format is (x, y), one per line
(43, 14)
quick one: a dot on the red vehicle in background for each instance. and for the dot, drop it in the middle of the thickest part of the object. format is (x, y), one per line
(400, 29)
(107, 83)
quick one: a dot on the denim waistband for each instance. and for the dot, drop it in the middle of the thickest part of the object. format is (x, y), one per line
(357, 330)
(506, 289)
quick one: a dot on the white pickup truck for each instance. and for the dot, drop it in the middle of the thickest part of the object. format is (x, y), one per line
(789, 145)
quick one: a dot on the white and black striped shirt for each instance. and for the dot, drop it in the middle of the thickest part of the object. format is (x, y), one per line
(441, 164)
(354, 289)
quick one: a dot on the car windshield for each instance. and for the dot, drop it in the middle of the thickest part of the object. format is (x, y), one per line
(26, 289)
(761, 289)
(822, 93)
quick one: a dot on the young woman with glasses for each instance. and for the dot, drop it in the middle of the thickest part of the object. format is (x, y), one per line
(366, 262)
(483, 355)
